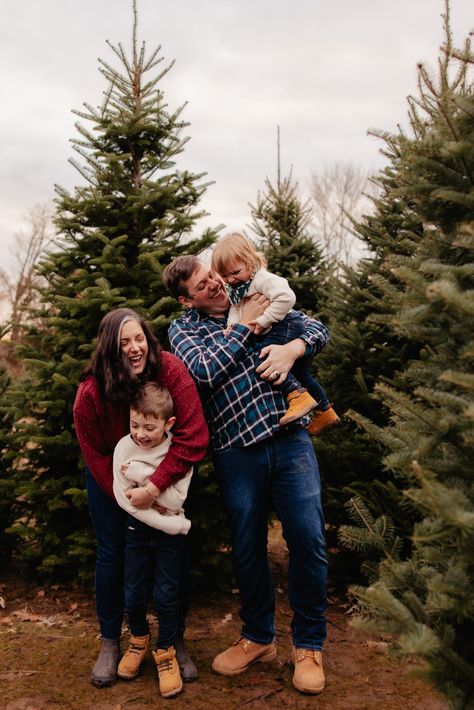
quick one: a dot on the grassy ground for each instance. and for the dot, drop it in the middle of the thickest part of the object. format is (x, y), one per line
(48, 642)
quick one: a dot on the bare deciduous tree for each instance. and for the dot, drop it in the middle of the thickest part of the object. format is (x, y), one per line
(19, 284)
(341, 193)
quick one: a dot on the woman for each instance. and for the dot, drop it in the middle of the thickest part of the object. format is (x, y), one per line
(128, 354)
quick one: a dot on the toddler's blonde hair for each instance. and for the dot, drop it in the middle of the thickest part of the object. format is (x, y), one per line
(236, 246)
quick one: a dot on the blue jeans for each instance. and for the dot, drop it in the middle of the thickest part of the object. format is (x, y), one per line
(149, 549)
(281, 471)
(108, 520)
(291, 327)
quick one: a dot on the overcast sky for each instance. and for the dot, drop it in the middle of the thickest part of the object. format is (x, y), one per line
(326, 71)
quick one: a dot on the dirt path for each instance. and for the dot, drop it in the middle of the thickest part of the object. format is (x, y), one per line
(48, 641)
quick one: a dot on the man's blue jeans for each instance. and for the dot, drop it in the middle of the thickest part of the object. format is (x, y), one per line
(280, 472)
(147, 549)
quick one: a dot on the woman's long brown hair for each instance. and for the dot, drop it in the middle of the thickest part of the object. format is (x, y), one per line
(108, 364)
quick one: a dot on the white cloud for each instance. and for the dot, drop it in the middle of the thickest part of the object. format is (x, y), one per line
(324, 71)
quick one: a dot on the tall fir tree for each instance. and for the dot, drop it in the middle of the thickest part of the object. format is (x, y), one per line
(421, 588)
(281, 222)
(132, 214)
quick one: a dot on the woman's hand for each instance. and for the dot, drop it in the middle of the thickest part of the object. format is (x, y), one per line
(143, 497)
(279, 359)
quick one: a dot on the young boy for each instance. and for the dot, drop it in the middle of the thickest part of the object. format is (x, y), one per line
(155, 536)
(242, 268)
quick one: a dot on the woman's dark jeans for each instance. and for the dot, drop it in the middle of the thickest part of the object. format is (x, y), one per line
(108, 520)
(291, 327)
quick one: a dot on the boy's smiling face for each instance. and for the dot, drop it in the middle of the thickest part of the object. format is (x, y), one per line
(148, 432)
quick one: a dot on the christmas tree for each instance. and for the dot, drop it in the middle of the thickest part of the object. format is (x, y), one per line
(281, 222)
(420, 590)
(133, 213)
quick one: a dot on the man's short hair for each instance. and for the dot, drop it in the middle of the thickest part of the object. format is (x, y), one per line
(178, 272)
(152, 400)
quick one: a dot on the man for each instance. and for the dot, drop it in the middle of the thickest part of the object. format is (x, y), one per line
(258, 464)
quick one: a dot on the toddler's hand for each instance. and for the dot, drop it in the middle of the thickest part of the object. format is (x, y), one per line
(124, 468)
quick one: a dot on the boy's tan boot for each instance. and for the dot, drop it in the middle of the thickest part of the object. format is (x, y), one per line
(300, 403)
(322, 419)
(168, 671)
(241, 655)
(309, 673)
(133, 657)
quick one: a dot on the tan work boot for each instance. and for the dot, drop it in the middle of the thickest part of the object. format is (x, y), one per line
(300, 403)
(322, 419)
(168, 671)
(133, 657)
(309, 674)
(241, 655)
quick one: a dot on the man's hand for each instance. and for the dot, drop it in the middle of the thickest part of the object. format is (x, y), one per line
(279, 359)
(252, 308)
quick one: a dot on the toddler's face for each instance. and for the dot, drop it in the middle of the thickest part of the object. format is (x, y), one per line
(148, 431)
(236, 272)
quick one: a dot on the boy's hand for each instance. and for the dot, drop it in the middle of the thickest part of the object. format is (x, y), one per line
(142, 497)
(124, 468)
(258, 329)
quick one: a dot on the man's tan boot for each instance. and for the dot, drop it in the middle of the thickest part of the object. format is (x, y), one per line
(168, 671)
(133, 657)
(300, 403)
(309, 674)
(241, 655)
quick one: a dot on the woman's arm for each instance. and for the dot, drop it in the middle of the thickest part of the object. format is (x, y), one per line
(190, 434)
(89, 431)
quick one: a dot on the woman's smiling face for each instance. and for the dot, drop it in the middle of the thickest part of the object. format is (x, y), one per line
(134, 345)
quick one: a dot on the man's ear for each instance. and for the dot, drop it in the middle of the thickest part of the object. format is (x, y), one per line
(184, 301)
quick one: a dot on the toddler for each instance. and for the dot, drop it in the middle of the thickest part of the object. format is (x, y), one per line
(242, 268)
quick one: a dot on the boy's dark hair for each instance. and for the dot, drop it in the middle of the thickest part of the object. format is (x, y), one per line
(152, 400)
(179, 271)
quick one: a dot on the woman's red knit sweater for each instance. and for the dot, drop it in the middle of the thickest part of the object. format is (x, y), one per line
(100, 424)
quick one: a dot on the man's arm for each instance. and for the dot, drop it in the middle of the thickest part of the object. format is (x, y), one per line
(211, 362)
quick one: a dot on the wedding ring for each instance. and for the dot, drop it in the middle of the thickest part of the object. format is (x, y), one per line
(276, 374)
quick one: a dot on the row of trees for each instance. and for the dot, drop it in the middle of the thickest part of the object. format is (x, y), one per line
(399, 363)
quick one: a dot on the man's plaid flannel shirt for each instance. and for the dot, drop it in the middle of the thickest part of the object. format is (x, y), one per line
(240, 407)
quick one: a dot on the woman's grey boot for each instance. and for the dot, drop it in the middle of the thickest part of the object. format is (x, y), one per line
(185, 662)
(105, 668)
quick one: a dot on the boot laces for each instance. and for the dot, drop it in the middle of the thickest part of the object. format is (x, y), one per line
(135, 648)
(165, 664)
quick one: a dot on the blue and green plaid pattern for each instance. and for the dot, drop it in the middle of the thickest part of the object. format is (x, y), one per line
(240, 407)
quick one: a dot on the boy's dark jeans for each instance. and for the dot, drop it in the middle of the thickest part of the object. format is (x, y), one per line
(148, 549)
(291, 327)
